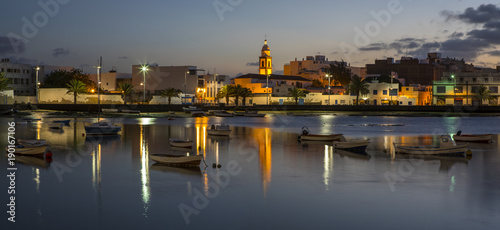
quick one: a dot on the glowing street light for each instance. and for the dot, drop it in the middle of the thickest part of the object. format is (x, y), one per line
(185, 85)
(37, 84)
(144, 69)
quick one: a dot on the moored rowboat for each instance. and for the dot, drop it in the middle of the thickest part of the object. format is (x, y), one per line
(472, 137)
(187, 161)
(180, 143)
(353, 145)
(317, 137)
(446, 147)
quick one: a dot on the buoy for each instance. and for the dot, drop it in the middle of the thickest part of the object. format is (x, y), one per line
(48, 159)
(83, 134)
(48, 154)
(218, 166)
(214, 165)
(468, 152)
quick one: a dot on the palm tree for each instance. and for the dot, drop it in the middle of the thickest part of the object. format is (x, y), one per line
(482, 94)
(4, 82)
(236, 92)
(226, 91)
(357, 86)
(169, 93)
(76, 87)
(244, 93)
(126, 89)
(297, 93)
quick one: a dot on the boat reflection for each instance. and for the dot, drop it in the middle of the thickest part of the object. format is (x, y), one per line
(353, 155)
(445, 162)
(38, 162)
(191, 171)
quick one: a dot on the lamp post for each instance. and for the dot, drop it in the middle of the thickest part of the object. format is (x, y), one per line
(454, 89)
(390, 89)
(215, 87)
(37, 84)
(329, 86)
(185, 85)
(144, 69)
(267, 89)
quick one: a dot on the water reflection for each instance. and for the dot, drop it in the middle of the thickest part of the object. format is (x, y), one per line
(328, 165)
(264, 142)
(144, 154)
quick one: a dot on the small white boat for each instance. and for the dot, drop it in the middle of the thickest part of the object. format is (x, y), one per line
(32, 142)
(219, 130)
(66, 122)
(198, 113)
(102, 128)
(352, 145)
(472, 137)
(176, 160)
(255, 115)
(305, 136)
(56, 125)
(180, 143)
(191, 109)
(223, 114)
(446, 147)
(30, 150)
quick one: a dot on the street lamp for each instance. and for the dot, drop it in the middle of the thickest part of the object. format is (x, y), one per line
(185, 85)
(267, 89)
(37, 84)
(144, 69)
(329, 86)
(454, 89)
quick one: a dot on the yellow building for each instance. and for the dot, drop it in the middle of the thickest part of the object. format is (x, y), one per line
(265, 60)
(422, 94)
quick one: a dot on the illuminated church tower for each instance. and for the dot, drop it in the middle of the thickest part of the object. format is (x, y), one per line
(265, 60)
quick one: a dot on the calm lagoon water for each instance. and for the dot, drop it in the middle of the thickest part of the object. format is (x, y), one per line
(268, 180)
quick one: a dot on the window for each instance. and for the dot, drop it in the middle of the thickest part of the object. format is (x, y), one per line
(393, 92)
(27, 81)
(474, 89)
(493, 89)
(375, 92)
(441, 89)
(474, 80)
(461, 79)
(407, 89)
(263, 64)
(486, 80)
(342, 101)
(384, 92)
(277, 90)
(268, 63)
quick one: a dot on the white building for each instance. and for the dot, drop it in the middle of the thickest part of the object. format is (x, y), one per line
(21, 75)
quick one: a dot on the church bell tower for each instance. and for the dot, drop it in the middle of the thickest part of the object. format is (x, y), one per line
(265, 60)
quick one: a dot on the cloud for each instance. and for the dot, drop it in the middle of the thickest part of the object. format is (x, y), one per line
(10, 45)
(483, 14)
(457, 35)
(374, 47)
(60, 52)
(252, 64)
(123, 57)
(495, 53)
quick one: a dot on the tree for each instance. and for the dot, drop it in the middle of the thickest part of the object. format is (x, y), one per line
(76, 86)
(126, 89)
(317, 83)
(169, 93)
(60, 78)
(297, 93)
(340, 73)
(226, 91)
(244, 93)
(236, 92)
(482, 94)
(4, 82)
(358, 87)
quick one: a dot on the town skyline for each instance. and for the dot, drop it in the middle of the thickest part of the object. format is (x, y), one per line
(226, 36)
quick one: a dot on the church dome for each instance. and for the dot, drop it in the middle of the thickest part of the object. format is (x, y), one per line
(265, 47)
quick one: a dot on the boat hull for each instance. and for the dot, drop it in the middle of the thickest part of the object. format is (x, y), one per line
(255, 115)
(185, 161)
(224, 114)
(359, 145)
(431, 150)
(331, 137)
(473, 138)
(30, 150)
(218, 132)
(102, 130)
(180, 143)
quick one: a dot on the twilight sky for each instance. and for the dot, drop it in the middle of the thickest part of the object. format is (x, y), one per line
(228, 34)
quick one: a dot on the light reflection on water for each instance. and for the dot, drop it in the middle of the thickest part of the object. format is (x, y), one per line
(283, 179)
